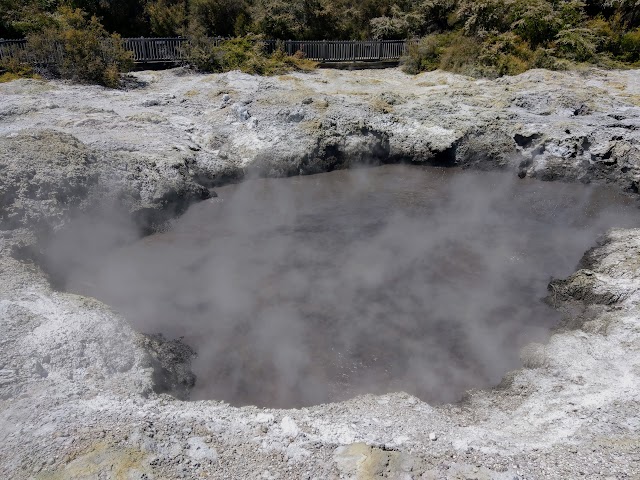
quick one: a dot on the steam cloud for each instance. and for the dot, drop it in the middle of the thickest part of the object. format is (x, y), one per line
(313, 289)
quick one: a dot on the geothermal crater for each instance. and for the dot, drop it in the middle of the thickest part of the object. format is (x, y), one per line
(309, 290)
(421, 280)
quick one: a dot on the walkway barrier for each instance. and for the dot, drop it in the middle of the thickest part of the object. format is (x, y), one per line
(53, 54)
(342, 50)
(11, 48)
(172, 49)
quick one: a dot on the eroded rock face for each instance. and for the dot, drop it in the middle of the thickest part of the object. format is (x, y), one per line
(44, 173)
(170, 360)
(79, 393)
(48, 175)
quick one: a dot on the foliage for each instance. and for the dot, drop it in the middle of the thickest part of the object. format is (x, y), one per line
(216, 17)
(629, 10)
(14, 68)
(480, 37)
(125, 17)
(17, 18)
(246, 54)
(506, 54)
(426, 55)
(535, 21)
(497, 55)
(82, 49)
(577, 43)
(514, 35)
(167, 18)
(461, 56)
(630, 45)
(483, 16)
(397, 26)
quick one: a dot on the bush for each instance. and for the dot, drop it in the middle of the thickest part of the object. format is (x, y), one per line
(462, 55)
(483, 16)
(507, 37)
(397, 26)
(630, 46)
(216, 17)
(79, 49)
(436, 14)
(628, 10)
(505, 54)
(14, 68)
(577, 44)
(608, 37)
(245, 54)
(535, 21)
(425, 55)
(167, 18)
(499, 54)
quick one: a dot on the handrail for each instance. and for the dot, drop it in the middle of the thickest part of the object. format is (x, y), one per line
(171, 49)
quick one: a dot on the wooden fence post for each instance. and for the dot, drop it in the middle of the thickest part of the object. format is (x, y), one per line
(144, 49)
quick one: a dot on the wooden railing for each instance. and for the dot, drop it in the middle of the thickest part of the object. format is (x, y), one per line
(342, 50)
(18, 49)
(172, 50)
(11, 48)
(150, 50)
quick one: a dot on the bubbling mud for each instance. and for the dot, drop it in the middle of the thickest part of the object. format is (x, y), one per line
(308, 290)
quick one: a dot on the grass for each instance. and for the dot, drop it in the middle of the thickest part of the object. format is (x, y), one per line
(9, 77)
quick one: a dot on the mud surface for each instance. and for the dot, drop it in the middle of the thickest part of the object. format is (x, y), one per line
(314, 289)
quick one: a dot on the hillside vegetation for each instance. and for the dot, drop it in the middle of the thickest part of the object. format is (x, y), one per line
(476, 37)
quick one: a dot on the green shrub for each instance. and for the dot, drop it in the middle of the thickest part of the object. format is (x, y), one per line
(505, 54)
(216, 17)
(628, 10)
(483, 16)
(279, 62)
(498, 54)
(630, 46)
(398, 25)
(425, 55)
(535, 21)
(578, 44)
(461, 55)
(545, 58)
(79, 49)
(167, 18)
(437, 15)
(243, 53)
(14, 68)
(607, 36)
(201, 53)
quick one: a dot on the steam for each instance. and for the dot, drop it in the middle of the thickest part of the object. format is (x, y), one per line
(313, 289)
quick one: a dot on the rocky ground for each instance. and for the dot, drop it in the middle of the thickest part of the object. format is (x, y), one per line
(82, 395)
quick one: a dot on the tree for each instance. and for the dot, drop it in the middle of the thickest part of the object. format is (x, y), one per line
(122, 16)
(216, 17)
(167, 18)
(83, 49)
(19, 17)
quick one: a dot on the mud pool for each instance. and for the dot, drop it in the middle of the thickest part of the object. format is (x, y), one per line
(315, 289)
